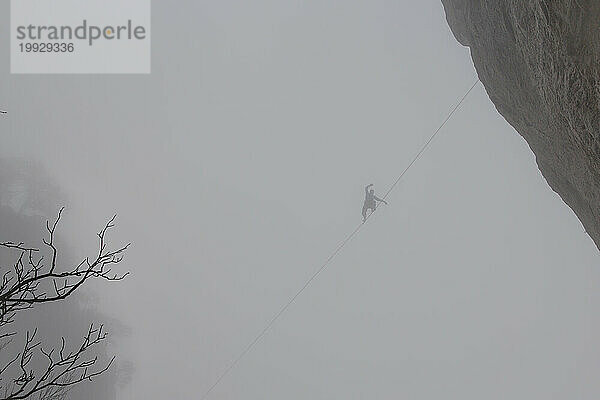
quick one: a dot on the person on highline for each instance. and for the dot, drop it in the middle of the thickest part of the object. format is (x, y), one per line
(370, 201)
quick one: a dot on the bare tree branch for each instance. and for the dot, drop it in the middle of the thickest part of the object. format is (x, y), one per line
(28, 282)
(28, 285)
(64, 369)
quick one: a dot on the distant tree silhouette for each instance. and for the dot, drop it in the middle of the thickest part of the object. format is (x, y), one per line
(36, 371)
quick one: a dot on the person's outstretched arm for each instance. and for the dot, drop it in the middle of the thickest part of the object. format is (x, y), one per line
(381, 200)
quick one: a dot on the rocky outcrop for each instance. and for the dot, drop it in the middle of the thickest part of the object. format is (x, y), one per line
(539, 61)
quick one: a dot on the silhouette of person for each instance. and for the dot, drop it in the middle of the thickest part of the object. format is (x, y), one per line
(370, 201)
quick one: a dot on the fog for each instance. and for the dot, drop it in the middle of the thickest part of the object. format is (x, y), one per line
(239, 165)
(28, 197)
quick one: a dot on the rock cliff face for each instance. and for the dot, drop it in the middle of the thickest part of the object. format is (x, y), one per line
(539, 61)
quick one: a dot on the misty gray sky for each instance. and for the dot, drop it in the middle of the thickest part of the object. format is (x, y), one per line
(238, 165)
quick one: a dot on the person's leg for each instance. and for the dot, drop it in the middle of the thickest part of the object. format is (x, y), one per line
(364, 213)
